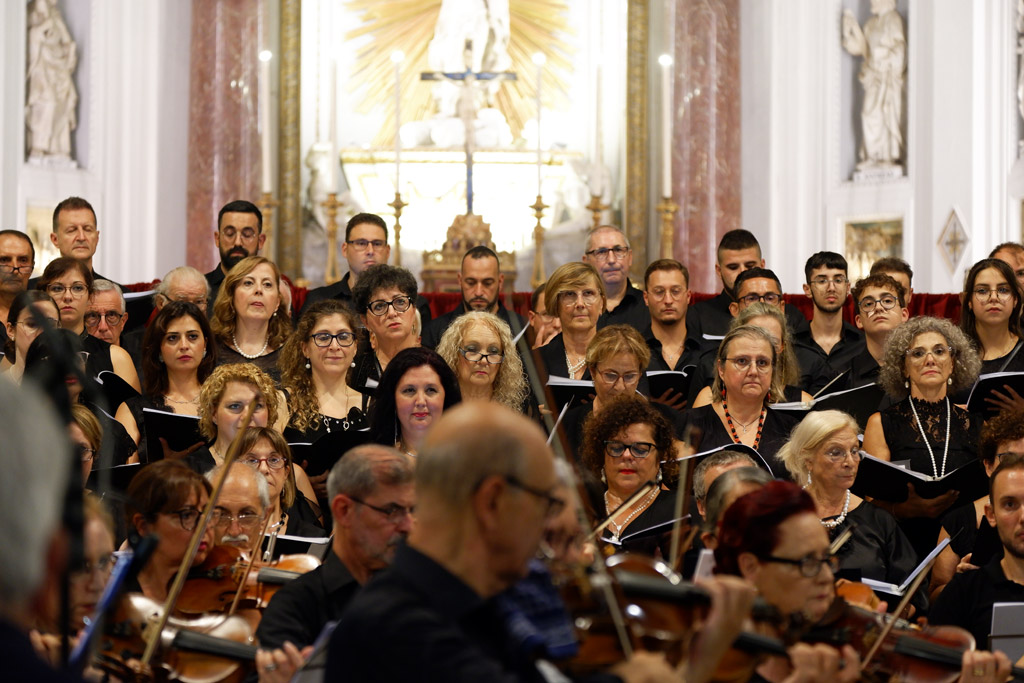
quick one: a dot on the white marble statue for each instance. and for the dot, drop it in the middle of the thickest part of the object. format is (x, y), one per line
(485, 25)
(52, 98)
(883, 45)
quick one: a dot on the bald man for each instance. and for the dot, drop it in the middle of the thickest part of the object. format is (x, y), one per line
(242, 505)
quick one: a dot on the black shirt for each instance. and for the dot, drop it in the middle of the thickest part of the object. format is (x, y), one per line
(20, 661)
(433, 332)
(712, 317)
(214, 278)
(851, 343)
(631, 311)
(416, 621)
(342, 291)
(553, 356)
(967, 600)
(300, 610)
(864, 369)
(689, 356)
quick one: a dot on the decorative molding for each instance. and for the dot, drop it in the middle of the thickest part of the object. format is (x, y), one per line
(637, 134)
(289, 142)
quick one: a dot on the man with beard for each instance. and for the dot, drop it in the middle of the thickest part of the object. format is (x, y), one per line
(372, 495)
(239, 234)
(242, 504)
(17, 259)
(667, 295)
(967, 600)
(480, 280)
(828, 335)
(608, 250)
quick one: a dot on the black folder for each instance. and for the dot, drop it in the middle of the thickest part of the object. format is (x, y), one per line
(320, 455)
(660, 381)
(564, 390)
(114, 389)
(180, 431)
(986, 384)
(861, 402)
(886, 481)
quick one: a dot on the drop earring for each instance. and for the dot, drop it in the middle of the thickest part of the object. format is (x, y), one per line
(604, 479)
(808, 480)
(906, 383)
(308, 366)
(949, 380)
(659, 477)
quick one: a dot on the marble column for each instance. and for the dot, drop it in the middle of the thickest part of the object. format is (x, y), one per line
(223, 140)
(290, 168)
(706, 134)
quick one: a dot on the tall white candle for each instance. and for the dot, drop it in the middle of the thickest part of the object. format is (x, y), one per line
(332, 125)
(396, 58)
(539, 59)
(264, 107)
(666, 125)
(598, 122)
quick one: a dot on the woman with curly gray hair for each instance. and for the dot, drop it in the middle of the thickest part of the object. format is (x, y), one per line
(478, 347)
(925, 361)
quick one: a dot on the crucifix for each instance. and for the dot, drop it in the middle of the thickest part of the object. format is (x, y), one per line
(467, 106)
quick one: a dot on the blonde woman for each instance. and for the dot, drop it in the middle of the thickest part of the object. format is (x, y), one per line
(478, 347)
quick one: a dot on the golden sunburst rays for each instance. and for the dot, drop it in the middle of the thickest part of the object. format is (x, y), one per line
(408, 25)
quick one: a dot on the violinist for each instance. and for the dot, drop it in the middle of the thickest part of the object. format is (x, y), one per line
(723, 492)
(372, 497)
(241, 506)
(483, 497)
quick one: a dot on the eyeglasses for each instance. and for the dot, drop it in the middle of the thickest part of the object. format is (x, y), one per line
(588, 296)
(771, 298)
(395, 513)
(810, 566)
(84, 453)
(838, 455)
(639, 449)
(8, 268)
(822, 281)
(362, 245)
(939, 353)
(1007, 454)
(867, 304)
(92, 319)
(554, 504)
(200, 303)
(604, 252)
(380, 307)
(613, 377)
(78, 290)
(31, 325)
(324, 339)
(188, 517)
(103, 564)
(660, 293)
(274, 462)
(743, 363)
(476, 356)
(1002, 292)
(231, 231)
(246, 520)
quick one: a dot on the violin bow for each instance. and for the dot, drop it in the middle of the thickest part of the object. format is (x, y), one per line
(153, 634)
(683, 488)
(604, 582)
(248, 567)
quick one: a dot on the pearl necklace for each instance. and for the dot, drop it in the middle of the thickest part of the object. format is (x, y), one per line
(842, 517)
(574, 367)
(243, 354)
(924, 437)
(642, 505)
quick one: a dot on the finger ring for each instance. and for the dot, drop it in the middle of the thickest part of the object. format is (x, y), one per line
(273, 667)
(979, 672)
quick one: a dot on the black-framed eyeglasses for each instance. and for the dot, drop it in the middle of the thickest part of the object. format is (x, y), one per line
(1007, 454)
(78, 290)
(809, 566)
(380, 307)
(617, 449)
(395, 513)
(555, 505)
(274, 462)
(9, 268)
(324, 339)
(362, 245)
(476, 356)
(84, 453)
(770, 298)
(823, 281)
(604, 252)
(867, 304)
(112, 318)
(188, 517)
(246, 520)
(231, 231)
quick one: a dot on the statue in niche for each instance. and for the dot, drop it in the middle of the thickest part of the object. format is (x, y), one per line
(52, 98)
(883, 46)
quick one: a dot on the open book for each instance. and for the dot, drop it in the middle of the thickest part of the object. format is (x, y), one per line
(739, 447)
(564, 390)
(888, 481)
(893, 589)
(861, 402)
(986, 384)
(656, 530)
(181, 431)
(660, 381)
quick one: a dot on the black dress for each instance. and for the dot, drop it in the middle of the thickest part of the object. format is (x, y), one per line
(775, 432)
(227, 354)
(553, 355)
(903, 437)
(660, 511)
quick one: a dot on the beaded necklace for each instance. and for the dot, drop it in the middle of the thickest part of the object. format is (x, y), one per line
(732, 429)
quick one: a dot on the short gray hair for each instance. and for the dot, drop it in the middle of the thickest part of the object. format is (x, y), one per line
(108, 286)
(725, 456)
(37, 462)
(966, 362)
(605, 228)
(262, 487)
(454, 470)
(720, 487)
(180, 273)
(361, 470)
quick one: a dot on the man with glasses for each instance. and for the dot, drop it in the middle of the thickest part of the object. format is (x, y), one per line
(239, 234)
(366, 245)
(834, 340)
(106, 316)
(608, 250)
(880, 310)
(372, 496)
(481, 282)
(241, 505)
(17, 258)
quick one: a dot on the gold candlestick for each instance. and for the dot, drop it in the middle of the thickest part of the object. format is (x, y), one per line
(596, 209)
(267, 203)
(538, 244)
(668, 209)
(398, 205)
(331, 272)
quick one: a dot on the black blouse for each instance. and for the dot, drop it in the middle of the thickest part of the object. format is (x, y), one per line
(713, 433)
(267, 363)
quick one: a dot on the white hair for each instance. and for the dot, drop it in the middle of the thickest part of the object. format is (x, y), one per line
(108, 286)
(36, 455)
(262, 487)
(187, 273)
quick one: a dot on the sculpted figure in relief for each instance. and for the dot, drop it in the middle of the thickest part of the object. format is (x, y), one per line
(883, 45)
(52, 98)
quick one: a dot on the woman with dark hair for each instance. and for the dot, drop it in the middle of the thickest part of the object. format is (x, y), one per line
(68, 281)
(385, 299)
(250, 318)
(625, 446)
(990, 317)
(40, 351)
(177, 357)
(413, 392)
(24, 325)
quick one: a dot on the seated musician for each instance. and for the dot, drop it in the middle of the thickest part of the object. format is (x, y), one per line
(723, 492)
(372, 496)
(242, 506)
